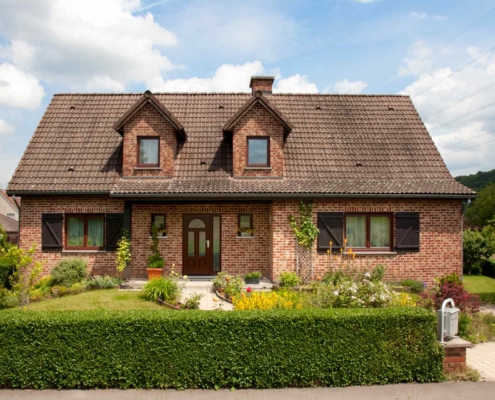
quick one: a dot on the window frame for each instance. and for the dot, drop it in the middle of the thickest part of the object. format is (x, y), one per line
(239, 224)
(138, 151)
(368, 216)
(153, 220)
(85, 246)
(265, 138)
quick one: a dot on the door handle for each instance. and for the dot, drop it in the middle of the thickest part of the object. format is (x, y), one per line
(208, 243)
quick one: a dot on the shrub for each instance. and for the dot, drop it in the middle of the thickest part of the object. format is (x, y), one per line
(227, 284)
(477, 245)
(123, 253)
(253, 275)
(165, 289)
(69, 271)
(281, 299)
(6, 271)
(289, 279)
(8, 299)
(192, 302)
(60, 291)
(475, 269)
(220, 281)
(488, 267)
(477, 327)
(155, 260)
(270, 349)
(102, 282)
(415, 286)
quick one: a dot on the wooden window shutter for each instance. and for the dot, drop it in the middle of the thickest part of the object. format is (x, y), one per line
(407, 231)
(114, 224)
(331, 226)
(51, 231)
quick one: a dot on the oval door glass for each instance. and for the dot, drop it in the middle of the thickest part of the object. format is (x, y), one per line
(197, 224)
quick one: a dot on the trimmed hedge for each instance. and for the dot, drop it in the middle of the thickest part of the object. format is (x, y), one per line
(198, 349)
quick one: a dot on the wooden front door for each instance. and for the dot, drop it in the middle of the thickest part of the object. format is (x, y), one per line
(197, 245)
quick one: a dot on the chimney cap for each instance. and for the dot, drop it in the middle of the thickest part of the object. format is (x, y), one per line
(261, 78)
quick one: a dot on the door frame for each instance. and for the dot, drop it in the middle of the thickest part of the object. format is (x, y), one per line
(209, 235)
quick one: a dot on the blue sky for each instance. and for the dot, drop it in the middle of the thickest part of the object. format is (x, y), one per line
(339, 46)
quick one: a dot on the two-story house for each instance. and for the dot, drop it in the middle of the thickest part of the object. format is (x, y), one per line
(219, 174)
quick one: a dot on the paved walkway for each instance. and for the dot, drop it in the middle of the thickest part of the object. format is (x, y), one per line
(482, 358)
(430, 391)
(490, 308)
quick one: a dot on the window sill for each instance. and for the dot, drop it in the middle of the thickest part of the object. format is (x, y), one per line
(258, 168)
(159, 237)
(148, 168)
(83, 251)
(374, 253)
(245, 237)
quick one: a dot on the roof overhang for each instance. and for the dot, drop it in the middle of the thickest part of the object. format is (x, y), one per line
(148, 98)
(258, 98)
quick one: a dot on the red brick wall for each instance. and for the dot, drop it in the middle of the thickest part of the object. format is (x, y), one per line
(440, 238)
(102, 263)
(258, 122)
(454, 360)
(265, 85)
(149, 122)
(238, 255)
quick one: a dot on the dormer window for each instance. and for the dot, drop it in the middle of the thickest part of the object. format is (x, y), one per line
(149, 152)
(258, 151)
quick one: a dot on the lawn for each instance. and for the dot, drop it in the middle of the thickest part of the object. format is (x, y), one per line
(109, 299)
(482, 286)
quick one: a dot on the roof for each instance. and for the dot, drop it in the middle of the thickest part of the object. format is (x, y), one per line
(10, 198)
(8, 224)
(339, 144)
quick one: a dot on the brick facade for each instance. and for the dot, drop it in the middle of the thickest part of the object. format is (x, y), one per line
(272, 250)
(258, 121)
(148, 122)
(454, 360)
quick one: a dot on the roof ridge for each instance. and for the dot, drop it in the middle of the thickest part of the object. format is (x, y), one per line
(233, 93)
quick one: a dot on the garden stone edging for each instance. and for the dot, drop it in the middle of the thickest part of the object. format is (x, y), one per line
(221, 297)
(163, 303)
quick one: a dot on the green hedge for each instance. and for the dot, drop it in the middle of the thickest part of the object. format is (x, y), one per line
(197, 349)
(488, 267)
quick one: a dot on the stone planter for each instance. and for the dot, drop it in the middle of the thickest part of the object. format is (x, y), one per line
(252, 281)
(154, 273)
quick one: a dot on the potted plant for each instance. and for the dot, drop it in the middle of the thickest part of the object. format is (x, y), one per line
(245, 231)
(155, 260)
(252, 277)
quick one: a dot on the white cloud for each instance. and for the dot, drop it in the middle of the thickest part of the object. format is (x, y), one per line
(233, 78)
(5, 128)
(456, 124)
(346, 87)
(19, 89)
(415, 61)
(85, 43)
(441, 17)
(419, 15)
(366, 1)
(8, 163)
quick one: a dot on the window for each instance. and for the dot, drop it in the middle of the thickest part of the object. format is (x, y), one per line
(149, 151)
(245, 227)
(258, 151)
(368, 231)
(11, 215)
(84, 232)
(159, 220)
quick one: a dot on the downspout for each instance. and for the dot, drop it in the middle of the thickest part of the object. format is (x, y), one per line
(18, 220)
(468, 202)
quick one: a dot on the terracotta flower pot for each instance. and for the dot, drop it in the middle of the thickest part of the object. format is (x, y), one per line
(154, 273)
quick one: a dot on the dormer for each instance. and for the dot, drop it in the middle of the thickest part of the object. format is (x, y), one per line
(258, 131)
(152, 136)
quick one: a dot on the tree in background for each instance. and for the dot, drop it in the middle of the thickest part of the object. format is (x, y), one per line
(482, 210)
(477, 245)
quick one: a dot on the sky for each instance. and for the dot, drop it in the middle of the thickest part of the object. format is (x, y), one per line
(439, 52)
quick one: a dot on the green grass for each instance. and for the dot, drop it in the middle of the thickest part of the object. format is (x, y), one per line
(109, 299)
(483, 286)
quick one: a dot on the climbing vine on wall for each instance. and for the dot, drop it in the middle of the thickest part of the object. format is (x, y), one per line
(304, 230)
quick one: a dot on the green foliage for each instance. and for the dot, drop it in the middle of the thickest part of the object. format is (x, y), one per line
(477, 181)
(8, 299)
(123, 252)
(451, 279)
(227, 284)
(6, 271)
(477, 245)
(488, 267)
(196, 349)
(69, 271)
(4, 244)
(289, 279)
(483, 208)
(305, 230)
(193, 301)
(155, 260)
(165, 289)
(102, 282)
(477, 327)
(253, 275)
(415, 286)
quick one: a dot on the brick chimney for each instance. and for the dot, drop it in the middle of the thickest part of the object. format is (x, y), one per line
(263, 83)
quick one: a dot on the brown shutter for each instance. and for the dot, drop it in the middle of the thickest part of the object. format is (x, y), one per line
(114, 224)
(407, 231)
(51, 231)
(331, 226)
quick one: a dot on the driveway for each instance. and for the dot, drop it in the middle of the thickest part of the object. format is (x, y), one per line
(430, 391)
(482, 358)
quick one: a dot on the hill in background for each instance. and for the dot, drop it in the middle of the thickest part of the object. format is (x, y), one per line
(477, 181)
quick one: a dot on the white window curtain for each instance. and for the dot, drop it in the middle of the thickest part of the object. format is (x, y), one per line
(355, 231)
(148, 151)
(379, 231)
(95, 232)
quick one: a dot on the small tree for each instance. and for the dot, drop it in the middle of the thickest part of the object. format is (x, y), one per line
(155, 260)
(123, 253)
(483, 208)
(25, 274)
(477, 245)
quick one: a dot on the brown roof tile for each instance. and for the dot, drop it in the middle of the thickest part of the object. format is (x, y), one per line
(75, 148)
